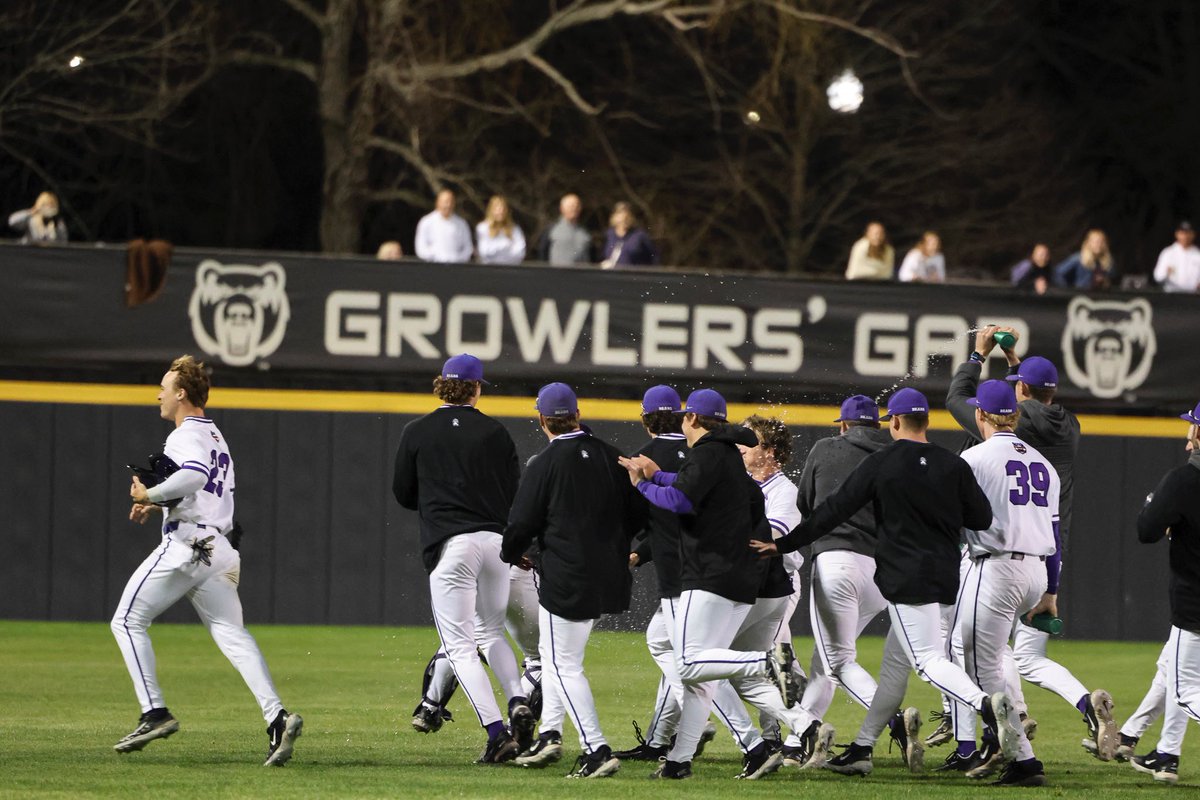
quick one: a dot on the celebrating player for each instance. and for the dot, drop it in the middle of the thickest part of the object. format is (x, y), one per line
(574, 502)
(194, 559)
(458, 469)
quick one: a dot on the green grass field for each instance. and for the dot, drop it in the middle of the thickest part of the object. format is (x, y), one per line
(65, 698)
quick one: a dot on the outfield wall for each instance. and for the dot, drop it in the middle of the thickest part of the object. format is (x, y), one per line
(327, 544)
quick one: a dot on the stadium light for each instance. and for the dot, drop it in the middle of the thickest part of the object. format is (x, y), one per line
(845, 93)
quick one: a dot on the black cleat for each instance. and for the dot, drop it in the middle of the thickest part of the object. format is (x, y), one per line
(1163, 766)
(673, 770)
(429, 719)
(643, 752)
(546, 750)
(984, 762)
(499, 749)
(1126, 747)
(956, 762)
(281, 738)
(522, 722)
(599, 764)
(905, 728)
(1102, 730)
(1022, 773)
(157, 723)
(760, 761)
(944, 731)
(854, 760)
(780, 660)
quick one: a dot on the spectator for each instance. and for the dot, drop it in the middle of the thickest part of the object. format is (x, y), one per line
(40, 223)
(1091, 268)
(390, 251)
(625, 244)
(871, 257)
(498, 239)
(567, 242)
(1178, 267)
(1033, 272)
(443, 235)
(925, 262)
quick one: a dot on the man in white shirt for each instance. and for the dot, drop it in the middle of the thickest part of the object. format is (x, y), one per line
(442, 235)
(1178, 267)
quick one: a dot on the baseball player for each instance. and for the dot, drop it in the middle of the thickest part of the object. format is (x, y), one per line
(721, 510)
(844, 595)
(1014, 562)
(458, 469)
(1054, 432)
(194, 559)
(923, 497)
(1163, 761)
(1173, 510)
(575, 503)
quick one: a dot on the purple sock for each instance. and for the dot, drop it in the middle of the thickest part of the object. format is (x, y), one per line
(965, 748)
(496, 729)
(1083, 704)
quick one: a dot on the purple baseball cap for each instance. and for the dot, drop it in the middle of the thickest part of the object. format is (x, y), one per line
(995, 397)
(464, 367)
(906, 401)
(706, 403)
(859, 408)
(1192, 416)
(1036, 371)
(660, 398)
(556, 400)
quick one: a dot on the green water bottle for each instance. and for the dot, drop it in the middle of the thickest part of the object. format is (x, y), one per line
(1047, 623)
(1005, 339)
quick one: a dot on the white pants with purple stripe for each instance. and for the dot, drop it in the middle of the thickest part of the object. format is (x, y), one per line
(1184, 685)
(1160, 702)
(759, 633)
(165, 577)
(565, 689)
(659, 635)
(914, 643)
(468, 592)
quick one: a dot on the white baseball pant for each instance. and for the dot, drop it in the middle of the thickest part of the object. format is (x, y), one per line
(669, 701)
(163, 578)
(705, 627)
(565, 689)
(914, 643)
(1155, 704)
(1185, 674)
(469, 594)
(759, 632)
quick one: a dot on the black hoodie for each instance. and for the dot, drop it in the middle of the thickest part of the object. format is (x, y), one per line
(1050, 429)
(1174, 508)
(828, 464)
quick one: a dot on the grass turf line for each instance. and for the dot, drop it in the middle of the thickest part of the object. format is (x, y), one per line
(65, 699)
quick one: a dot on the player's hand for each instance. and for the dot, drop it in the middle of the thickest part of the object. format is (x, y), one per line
(764, 549)
(1049, 602)
(140, 512)
(525, 563)
(634, 560)
(984, 339)
(137, 492)
(636, 475)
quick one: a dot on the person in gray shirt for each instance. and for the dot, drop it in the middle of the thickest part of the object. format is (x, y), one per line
(567, 242)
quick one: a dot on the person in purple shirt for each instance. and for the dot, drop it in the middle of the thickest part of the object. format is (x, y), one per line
(626, 244)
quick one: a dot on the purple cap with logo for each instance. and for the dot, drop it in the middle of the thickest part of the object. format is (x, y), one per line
(1036, 371)
(706, 403)
(906, 401)
(995, 397)
(859, 408)
(1192, 416)
(556, 400)
(464, 367)
(660, 398)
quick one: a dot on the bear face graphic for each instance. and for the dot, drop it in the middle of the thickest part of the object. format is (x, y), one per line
(239, 312)
(1109, 345)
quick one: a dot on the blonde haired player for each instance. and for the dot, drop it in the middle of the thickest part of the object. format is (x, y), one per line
(194, 559)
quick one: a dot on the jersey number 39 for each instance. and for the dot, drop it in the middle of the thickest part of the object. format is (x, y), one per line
(1033, 481)
(218, 464)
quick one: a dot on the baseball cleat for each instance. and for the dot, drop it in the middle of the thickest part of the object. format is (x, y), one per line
(499, 749)
(522, 723)
(281, 738)
(854, 760)
(429, 719)
(779, 669)
(822, 747)
(956, 762)
(1029, 725)
(792, 756)
(944, 731)
(760, 761)
(998, 712)
(156, 723)
(643, 752)
(914, 751)
(984, 762)
(1101, 728)
(1163, 766)
(673, 770)
(599, 764)
(1022, 773)
(797, 686)
(546, 750)
(707, 735)
(1126, 749)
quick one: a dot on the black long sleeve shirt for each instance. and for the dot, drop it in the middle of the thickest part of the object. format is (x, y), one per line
(1175, 506)
(458, 469)
(923, 497)
(661, 543)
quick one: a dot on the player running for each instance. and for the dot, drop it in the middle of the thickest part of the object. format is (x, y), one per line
(194, 559)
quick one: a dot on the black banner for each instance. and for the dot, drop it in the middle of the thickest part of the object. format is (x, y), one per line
(761, 337)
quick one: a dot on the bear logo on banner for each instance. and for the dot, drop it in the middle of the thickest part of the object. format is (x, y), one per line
(239, 312)
(1108, 345)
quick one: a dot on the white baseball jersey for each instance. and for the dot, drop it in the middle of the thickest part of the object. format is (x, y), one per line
(779, 495)
(1023, 489)
(198, 445)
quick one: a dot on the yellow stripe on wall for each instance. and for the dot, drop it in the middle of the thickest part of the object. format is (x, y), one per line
(518, 407)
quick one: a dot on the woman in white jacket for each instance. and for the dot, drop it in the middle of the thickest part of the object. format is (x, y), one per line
(499, 240)
(925, 262)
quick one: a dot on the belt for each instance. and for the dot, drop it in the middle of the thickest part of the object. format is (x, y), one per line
(1005, 556)
(173, 526)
